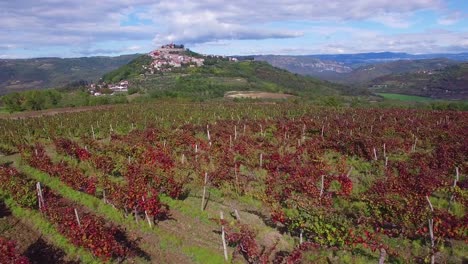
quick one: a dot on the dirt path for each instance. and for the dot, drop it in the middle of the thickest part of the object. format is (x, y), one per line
(256, 95)
(50, 112)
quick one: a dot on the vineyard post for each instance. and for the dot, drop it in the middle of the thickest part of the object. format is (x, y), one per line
(182, 159)
(300, 237)
(92, 130)
(146, 214)
(243, 133)
(322, 186)
(383, 254)
(414, 145)
(39, 196)
(136, 214)
(237, 178)
(237, 215)
(323, 128)
(431, 230)
(386, 161)
(77, 218)
(235, 132)
(375, 154)
(261, 160)
(223, 236)
(230, 142)
(384, 150)
(457, 178)
(204, 192)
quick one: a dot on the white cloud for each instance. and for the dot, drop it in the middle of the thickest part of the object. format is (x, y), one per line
(85, 25)
(450, 19)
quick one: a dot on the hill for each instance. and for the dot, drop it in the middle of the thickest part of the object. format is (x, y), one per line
(370, 72)
(361, 59)
(356, 68)
(448, 83)
(27, 74)
(219, 75)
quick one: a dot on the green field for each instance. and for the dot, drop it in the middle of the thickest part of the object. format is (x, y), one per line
(405, 98)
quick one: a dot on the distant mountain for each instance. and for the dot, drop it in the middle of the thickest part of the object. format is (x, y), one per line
(28, 74)
(360, 59)
(370, 72)
(305, 65)
(447, 83)
(352, 68)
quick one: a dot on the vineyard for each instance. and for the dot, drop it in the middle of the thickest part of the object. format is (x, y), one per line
(238, 183)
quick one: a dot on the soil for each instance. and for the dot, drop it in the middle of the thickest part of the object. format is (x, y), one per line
(257, 95)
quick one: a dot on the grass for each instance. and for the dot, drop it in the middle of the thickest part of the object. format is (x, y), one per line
(405, 98)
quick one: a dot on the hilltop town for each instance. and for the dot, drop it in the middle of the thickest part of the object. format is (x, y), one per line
(171, 56)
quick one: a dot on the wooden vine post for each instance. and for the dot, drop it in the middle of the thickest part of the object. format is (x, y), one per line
(92, 130)
(457, 178)
(322, 186)
(383, 254)
(431, 230)
(146, 214)
(77, 218)
(40, 197)
(223, 236)
(204, 192)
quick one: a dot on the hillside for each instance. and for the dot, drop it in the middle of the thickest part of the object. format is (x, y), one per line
(27, 74)
(306, 65)
(370, 72)
(220, 75)
(447, 83)
(355, 68)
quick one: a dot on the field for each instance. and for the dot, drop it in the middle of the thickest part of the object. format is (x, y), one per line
(279, 182)
(405, 98)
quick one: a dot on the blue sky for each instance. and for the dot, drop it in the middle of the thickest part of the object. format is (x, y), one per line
(39, 28)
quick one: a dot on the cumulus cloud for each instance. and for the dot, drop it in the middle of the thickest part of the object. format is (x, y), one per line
(451, 18)
(208, 20)
(433, 41)
(86, 25)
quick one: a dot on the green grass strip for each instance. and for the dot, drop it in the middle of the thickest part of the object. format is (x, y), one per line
(48, 230)
(197, 254)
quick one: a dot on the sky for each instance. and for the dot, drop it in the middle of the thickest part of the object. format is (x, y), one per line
(82, 28)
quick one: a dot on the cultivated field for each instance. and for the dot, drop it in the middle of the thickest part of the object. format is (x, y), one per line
(279, 182)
